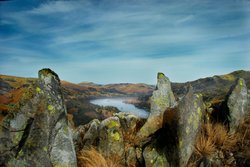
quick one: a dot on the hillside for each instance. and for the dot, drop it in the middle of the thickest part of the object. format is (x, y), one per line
(77, 96)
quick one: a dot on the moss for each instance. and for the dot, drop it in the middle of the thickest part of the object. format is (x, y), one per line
(113, 124)
(115, 136)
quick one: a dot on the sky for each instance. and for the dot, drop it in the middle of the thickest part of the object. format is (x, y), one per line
(129, 41)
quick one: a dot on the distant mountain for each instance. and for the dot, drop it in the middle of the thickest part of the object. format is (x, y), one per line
(93, 90)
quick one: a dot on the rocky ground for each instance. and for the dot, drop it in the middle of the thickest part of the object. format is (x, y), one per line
(200, 123)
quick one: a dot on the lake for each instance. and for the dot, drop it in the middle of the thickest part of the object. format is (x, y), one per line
(121, 105)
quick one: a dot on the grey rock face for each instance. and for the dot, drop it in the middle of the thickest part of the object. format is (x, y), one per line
(161, 99)
(182, 128)
(153, 158)
(111, 138)
(190, 114)
(237, 104)
(44, 138)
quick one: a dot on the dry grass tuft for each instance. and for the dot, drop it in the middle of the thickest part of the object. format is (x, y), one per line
(214, 138)
(220, 136)
(204, 146)
(92, 158)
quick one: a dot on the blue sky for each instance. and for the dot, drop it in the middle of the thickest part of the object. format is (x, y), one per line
(112, 41)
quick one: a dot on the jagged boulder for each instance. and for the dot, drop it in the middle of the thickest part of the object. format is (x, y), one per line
(41, 134)
(237, 103)
(161, 99)
(111, 142)
(86, 136)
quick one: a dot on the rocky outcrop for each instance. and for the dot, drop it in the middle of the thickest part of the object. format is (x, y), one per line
(161, 99)
(237, 103)
(113, 137)
(38, 133)
(173, 144)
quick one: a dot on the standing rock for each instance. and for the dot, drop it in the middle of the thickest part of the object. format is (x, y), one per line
(237, 104)
(161, 99)
(183, 129)
(46, 139)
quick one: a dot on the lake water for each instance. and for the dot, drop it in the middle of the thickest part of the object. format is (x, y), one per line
(121, 105)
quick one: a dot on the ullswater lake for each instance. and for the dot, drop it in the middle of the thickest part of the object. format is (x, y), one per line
(121, 105)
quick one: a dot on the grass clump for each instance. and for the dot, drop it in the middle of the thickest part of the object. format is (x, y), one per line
(92, 158)
(216, 144)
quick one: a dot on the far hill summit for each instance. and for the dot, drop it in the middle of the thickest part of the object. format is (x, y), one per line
(52, 123)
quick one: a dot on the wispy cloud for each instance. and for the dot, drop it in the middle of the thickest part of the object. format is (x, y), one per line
(147, 36)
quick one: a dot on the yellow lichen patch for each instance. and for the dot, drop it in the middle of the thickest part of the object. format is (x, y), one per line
(113, 124)
(45, 149)
(51, 109)
(38, 90)
(151, 161)
(115, 136)
(161, 75)
(161, 102)
(199, 111)
(241, 82)
(17, 137)
(61, 165)
(66, 130)
(196, 122)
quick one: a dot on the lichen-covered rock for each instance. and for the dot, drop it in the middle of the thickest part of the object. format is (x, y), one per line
(153, 158)
(111, 138)
(45, 138)
(161, 99)
(86, 136)
(185, 127)
(237, 103)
